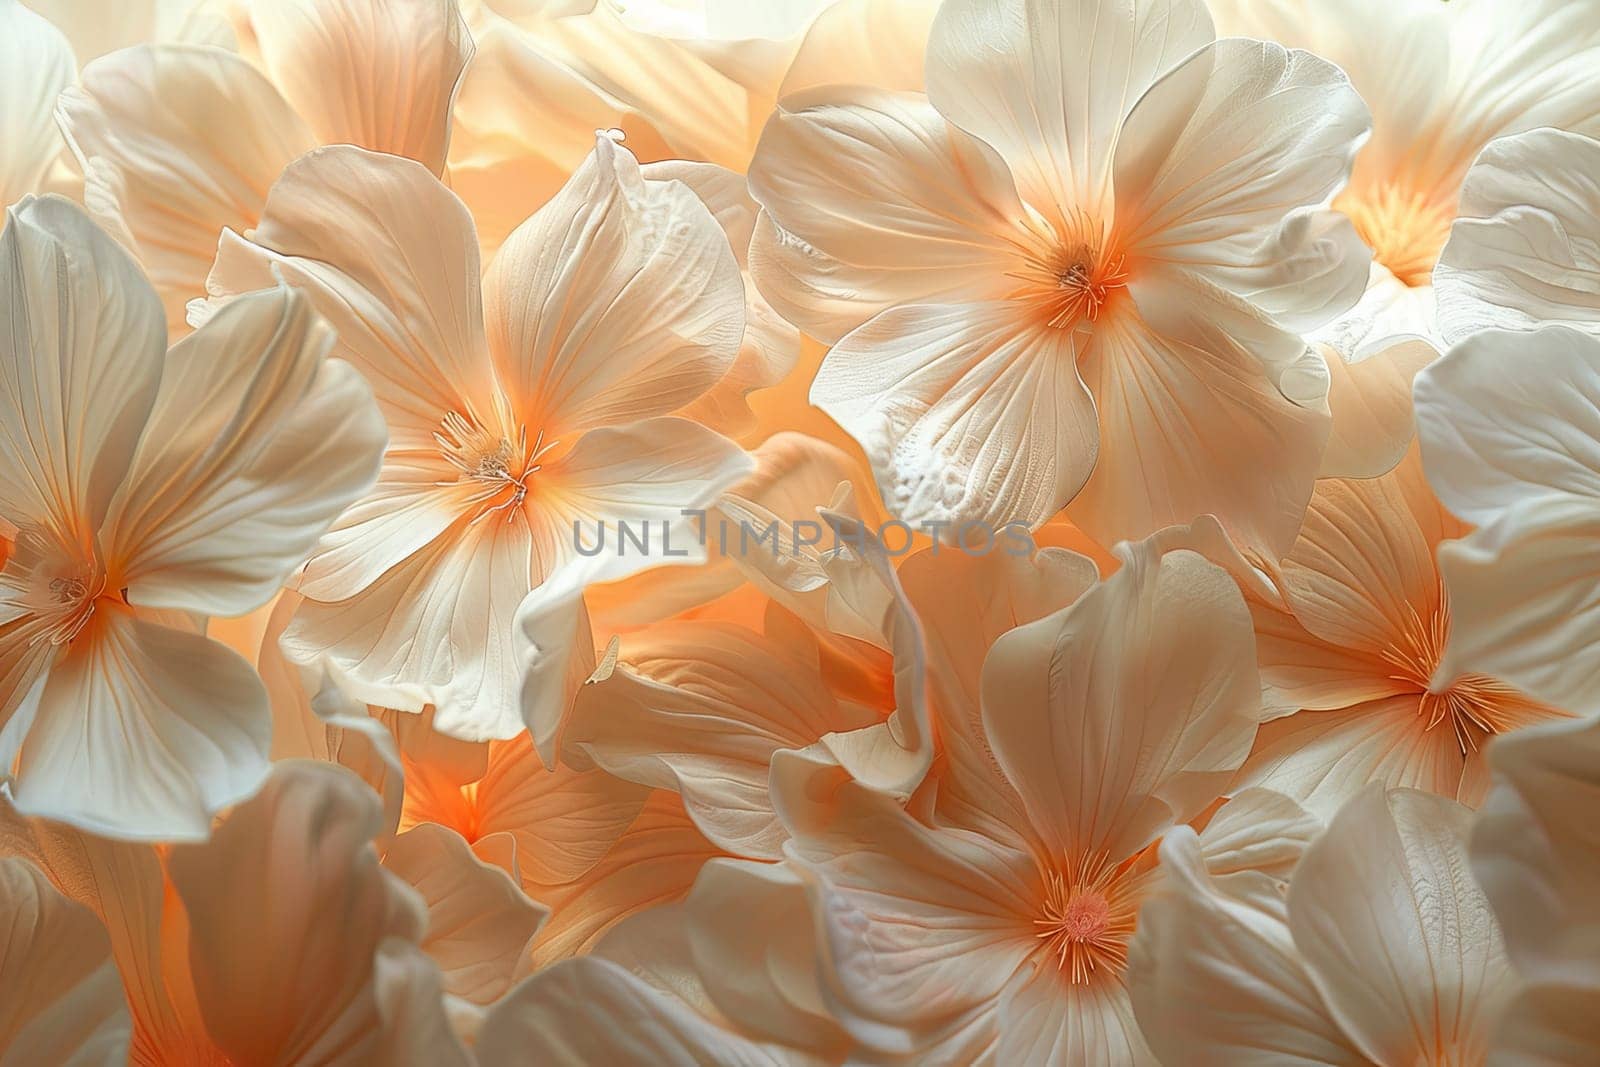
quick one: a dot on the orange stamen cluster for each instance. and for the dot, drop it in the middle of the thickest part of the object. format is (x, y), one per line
(1073, 275)
(1475, 706)
(1088, 917)
(499, 467)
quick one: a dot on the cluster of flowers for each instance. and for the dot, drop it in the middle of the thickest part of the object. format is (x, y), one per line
(1270, 327)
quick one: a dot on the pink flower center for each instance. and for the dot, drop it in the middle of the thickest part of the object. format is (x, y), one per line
(1087, 917)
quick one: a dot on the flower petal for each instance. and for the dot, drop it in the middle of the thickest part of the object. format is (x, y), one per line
(968, 413)
(63, 1001)
(1323, 758)
(1524, 591)
(863, 42)
(920, 926)
(37, 63)
(1371, 405)
(699, 709)
(1215, 976)
(434, 629)
(654, 862)
(79, 367)
(1049, 83)
(1193, 389)
(1361, 574)
(255, 445)
(144, 732)
(1129, 711)
(620, 299)
(522, 123)
(771, 346)
(286, 909)
(1398, 938)
(178, 142)
(872, 199)
(387, 254)
(594, 1011)
(1221, 151)
(1509, 416)
(1525, 251)
(1537, 857)
(479, 920)
(380, 74)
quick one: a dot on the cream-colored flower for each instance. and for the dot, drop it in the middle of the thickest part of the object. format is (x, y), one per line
(1352, 650)
(1383, 951)
(998, 929)
(145, 489)
(1510, 428)
(516, 410)
(1070, 273)
(179, 141)
(1443, 80)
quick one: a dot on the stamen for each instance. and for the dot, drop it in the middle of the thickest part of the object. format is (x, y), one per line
(500, 467)
(55, 586)
(1071, 276)
(1088, 918)
(1476, 707)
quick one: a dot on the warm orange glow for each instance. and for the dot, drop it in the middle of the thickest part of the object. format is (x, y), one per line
(1405, 228)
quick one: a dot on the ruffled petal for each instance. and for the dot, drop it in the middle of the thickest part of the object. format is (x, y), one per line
(921, 927)
(699, 709)
(1524, 598)
(1129, 711)
(388, 255)
(619, 300)
(1215, 977)
(1525, 251)
(479, 920)
(435, 629)
(1219, 154)
(1397, 936)
(1538, 857)
(1506, 417)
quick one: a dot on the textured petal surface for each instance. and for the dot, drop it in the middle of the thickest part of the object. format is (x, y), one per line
(1398, 937)
(969, 413)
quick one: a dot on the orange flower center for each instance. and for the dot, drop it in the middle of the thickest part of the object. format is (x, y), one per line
(59, 587)
(1087, 918)
(497, 467)
(1073, 274)
(1475, 706)
(1406, 229)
